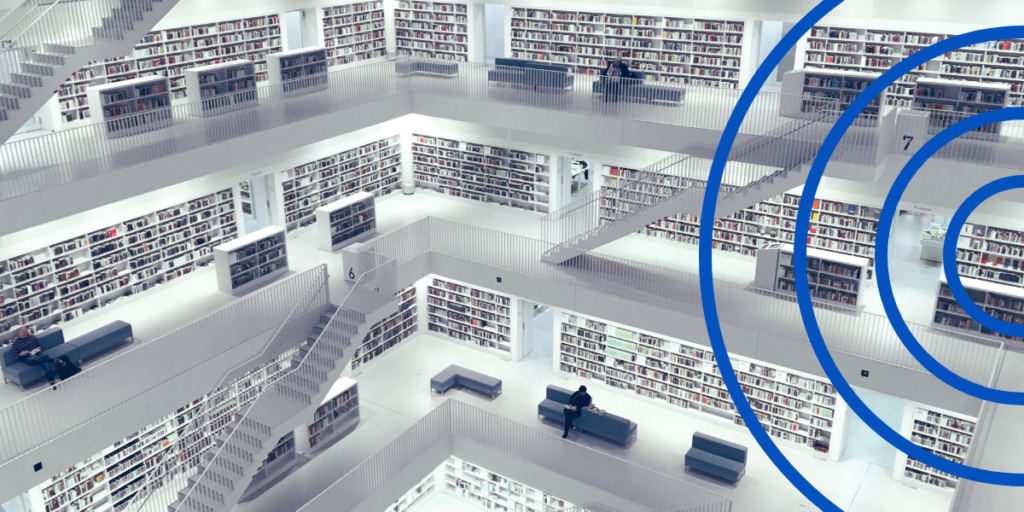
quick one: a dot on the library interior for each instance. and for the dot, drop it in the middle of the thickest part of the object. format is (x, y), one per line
(297, 248)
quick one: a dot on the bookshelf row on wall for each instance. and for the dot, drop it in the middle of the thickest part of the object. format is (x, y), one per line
(706, 52)
(386, 334)
(804, 411)
(337, 415)
(418, 494)
(163, 454)
(492, 491)
(373, 168)
(168, 53)
(942, 433)
(437, 30)
(877, 50)
(837, 226)
(63, 281)
(481, 172)
(353, 32)
(471, 315)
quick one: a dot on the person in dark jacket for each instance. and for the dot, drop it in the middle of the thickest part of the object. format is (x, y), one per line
(574, 409)
(30, 352)
(614, 73)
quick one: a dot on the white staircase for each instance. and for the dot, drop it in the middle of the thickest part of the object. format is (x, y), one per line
(285, 404)
(759, 169)
(45, 41)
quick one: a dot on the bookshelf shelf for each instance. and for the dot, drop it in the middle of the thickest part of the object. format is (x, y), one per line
(471, 315)
(415, 496)
(298, 72)
(877, 50)
(703, 52)
(373, 168)
(834, 278)
(346, 221)
(943, 433)
(480, 172)
(950, 100)
(132, 106)
(493, 491)
(165, 453)
(386, 334)
(354, 32)
(438, 30)
(251, 261)
(1002, 301)
(837, 226)
(337, 415)
(169, 53)
(63, 281)
(222, 88)
(279, 460)
(991, 254)
(802, 410)
(812, 86)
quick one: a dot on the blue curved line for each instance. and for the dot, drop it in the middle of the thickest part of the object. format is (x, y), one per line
(800, 257)
(707, 289)
(949, 253)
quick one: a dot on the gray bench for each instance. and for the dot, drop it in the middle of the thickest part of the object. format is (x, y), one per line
(466, 378)
(717, 457)
(93, 343)
(410, 67)
(609, 426)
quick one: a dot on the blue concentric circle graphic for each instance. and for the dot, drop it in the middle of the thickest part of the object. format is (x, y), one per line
(711, 316)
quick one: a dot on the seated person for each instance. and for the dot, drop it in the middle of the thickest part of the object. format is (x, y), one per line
(30, 352)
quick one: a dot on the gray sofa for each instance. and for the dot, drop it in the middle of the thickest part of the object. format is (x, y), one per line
(717, 457)
(609, 426)
(636, 86)
(79, 349)
(530, 73)
(466, 378)
(414, 66)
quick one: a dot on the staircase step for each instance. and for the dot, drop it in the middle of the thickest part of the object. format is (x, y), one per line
(52, 59)
(201, 496)
(107, 34)
(37, 69)
(16, 90)
(211, 477)
(3, 115)
(59, 49)
(28, 79)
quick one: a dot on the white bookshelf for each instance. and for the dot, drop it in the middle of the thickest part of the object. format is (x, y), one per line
(169, 53)
(282, 458)
(222, 88)
(389, 332)
(346, 221)
(438, 30)
(163, 454)
(336, 416)
(803, 410)
(877, 50)
(943, 433)
(698, 51)
(492, 491)
(991, 254)
(814, 87)
(132, 106)
(354, 32)
(474, 316)
(298, 72)
(482, 172)
(251, 261)
(64, 281)
(373, 168)
(415, 496)
(840, 226)
(951, 100)
(1002, 301)
(834, 278)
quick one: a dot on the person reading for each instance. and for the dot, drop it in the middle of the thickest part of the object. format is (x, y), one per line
(30, 352)
(574, 409)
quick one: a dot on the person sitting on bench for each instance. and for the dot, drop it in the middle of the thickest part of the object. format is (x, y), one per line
(574, 409)
(30, 352)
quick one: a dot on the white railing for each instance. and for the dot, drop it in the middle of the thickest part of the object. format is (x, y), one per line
(997, 145)
(48, 414)
(859, 334)
(66, 156)
(435, 435)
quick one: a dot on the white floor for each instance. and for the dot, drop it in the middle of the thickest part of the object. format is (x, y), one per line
(395, 392)
(444, 502)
